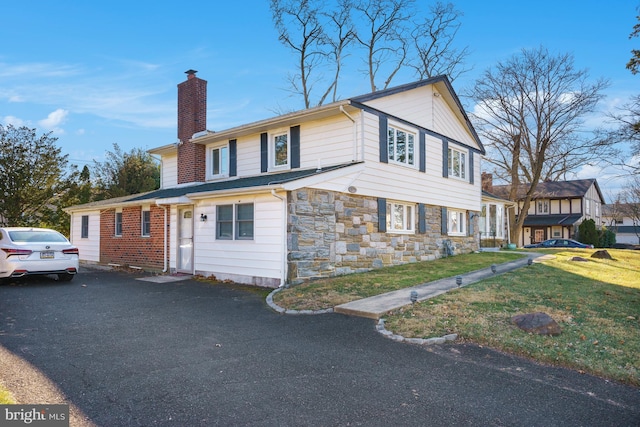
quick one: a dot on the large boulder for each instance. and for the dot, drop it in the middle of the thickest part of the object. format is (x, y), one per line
(602, 254)
(537, 323)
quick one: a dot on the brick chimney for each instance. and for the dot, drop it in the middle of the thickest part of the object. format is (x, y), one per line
(192, 118)
(487, 182)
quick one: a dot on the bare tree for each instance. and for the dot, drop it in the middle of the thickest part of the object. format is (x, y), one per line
(383, 34)
(634, 63)
(631, 199)
(530, 111)
(387, 35)
(318, 37)
(433, 42)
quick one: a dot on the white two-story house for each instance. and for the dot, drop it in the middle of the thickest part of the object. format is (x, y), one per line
(376, 180)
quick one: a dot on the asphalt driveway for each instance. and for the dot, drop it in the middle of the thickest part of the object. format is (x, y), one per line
(131, 353)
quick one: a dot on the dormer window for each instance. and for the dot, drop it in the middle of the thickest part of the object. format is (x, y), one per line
(219, 162)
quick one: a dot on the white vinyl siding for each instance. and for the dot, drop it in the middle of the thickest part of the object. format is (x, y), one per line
(169, 171)
(228, 259)
(89, 247)
(402, 183)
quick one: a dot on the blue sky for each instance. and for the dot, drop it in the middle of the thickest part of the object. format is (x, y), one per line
(97, 73)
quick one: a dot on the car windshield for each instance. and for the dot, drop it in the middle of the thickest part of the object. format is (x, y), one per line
(25, 236)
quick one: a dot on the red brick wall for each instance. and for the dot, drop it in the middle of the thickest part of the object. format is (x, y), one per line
(192, 118)
(132, 248)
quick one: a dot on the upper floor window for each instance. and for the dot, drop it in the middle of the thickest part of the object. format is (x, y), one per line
(400, 217)
(457, 161)
(401, 146)
(543, 206)
(219, 160)
(587, 206)
(146, 222)
(597, 209)
(279, 150)
(456, 223)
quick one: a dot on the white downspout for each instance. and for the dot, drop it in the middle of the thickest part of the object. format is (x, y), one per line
(283, 278)
(165, 266)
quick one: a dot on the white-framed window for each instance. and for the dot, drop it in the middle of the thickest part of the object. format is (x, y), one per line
(543, 207)
(84, 228)
(118, 223)
(401, 145)
(597, 209)
(235, 222)
(279, 150)
(587, 206)
(146, 222)
(457, 163)
(492, 221)
(456, 222)
(219, 161)
(401, 217)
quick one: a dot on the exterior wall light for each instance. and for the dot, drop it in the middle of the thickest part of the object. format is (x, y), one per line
(203, 217)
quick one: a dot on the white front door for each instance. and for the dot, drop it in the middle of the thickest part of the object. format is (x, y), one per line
(185, 240)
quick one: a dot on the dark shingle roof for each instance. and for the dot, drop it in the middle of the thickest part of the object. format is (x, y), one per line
(549, 220)
(263, 180)
(552, 189)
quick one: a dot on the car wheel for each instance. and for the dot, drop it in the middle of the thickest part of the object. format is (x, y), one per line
(65, 277)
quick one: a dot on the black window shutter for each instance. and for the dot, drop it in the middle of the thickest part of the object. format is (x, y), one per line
(295, 146)
(422, 218)
(233, 157)
(382, 215)
(471, 167)
(443, 222)
(264, 152)
(445, 158)
(423, 152)
(384, 147)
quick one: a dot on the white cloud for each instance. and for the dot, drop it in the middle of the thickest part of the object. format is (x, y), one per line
(12, 120)
(54, 120)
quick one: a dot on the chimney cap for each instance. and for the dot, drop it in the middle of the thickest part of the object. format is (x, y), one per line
(190, 72)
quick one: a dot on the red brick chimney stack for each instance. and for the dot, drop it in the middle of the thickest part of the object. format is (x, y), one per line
(192, 118)
(487, 182)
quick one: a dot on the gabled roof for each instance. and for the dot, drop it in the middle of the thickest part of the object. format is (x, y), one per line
(264, 181)
(348, 105)
(553, 189)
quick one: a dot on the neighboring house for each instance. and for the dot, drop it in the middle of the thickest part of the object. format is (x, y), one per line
(557, 208)
(619, 218)
(376, 180)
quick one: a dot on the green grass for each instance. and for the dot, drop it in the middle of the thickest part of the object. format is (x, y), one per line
(596, 303)
(327, 293)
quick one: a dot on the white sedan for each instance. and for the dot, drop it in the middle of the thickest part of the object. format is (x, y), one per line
(26, 251)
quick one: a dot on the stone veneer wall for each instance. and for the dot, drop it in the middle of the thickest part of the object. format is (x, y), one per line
(332, 234)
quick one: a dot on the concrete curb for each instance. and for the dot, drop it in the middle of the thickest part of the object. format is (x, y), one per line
(283, 310)
(420, 341)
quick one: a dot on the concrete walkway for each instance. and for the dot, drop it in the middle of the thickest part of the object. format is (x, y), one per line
(377, 306)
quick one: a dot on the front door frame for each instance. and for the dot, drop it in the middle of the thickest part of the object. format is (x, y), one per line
(185, 242)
